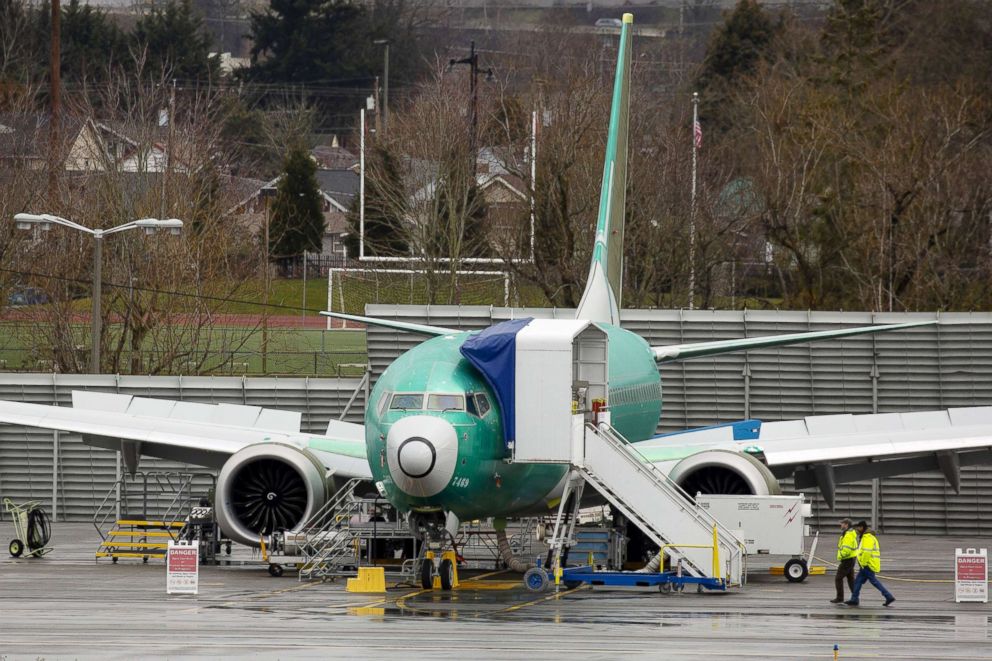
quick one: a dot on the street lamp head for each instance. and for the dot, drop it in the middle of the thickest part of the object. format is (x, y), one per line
(381, 42)
(153, 225)
(26, 221)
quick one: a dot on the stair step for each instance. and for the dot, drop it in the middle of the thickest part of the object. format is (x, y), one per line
(134, 545)
(139, 533)
(150, 524)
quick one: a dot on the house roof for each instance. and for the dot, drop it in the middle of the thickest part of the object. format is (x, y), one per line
(25, 135)
(342, 185)
(333, 157)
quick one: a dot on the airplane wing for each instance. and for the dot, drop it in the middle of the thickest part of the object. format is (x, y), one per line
(673, 352)
(824, 451)
(202, 434)
(397, 325)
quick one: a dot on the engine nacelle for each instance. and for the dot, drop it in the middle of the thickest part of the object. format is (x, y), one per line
(724, 472)
(267, 487)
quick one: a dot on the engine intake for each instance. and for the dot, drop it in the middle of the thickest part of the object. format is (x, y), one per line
(267, 487)
(724, 472)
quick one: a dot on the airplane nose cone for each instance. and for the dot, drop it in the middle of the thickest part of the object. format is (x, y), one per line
(417, 457)
(421, 452)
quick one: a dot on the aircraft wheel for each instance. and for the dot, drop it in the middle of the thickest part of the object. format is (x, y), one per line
(536, 579)
(16, 548)
(796, 570)
(447, 573)
(275, 570)
(426, 574)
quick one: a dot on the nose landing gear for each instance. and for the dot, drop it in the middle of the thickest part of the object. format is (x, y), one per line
(433, 563)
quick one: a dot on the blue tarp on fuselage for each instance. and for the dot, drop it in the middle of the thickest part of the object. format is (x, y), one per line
(494, 353)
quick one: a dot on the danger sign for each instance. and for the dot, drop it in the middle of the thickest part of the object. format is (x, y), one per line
(971, 575)
(182, 568)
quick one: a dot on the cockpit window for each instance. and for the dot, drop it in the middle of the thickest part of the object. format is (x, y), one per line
(470, 405)
(482, 403)
(406, 401)
(436, 402)
(383, 401)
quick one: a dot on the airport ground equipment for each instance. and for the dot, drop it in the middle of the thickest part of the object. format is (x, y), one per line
(345, 534)
(768, 525)
(32, 529)
(147, 510)
(201, 526)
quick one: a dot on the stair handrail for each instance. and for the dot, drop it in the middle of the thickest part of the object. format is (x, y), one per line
(635, 458)
(316, 520)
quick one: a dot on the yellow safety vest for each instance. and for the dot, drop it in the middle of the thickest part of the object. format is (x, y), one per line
(847, 544)
(869, 553)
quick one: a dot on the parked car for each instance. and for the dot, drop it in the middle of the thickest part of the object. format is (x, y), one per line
(609, 23)
(26, 296)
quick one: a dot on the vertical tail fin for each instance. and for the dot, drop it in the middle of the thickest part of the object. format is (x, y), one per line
(601, 298)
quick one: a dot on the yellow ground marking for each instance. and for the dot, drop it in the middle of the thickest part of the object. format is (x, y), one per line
(550, 597)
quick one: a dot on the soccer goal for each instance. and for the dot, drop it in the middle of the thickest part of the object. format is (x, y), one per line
(349, 290)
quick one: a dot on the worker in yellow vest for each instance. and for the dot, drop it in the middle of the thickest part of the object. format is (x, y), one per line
(870, 559)
(847, 550)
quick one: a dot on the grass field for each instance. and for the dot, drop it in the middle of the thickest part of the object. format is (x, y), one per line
(233, 351)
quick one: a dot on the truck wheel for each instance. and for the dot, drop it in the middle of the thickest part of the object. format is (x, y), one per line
(275, 570)
(796, 570)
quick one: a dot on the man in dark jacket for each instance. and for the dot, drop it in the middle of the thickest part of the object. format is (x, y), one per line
(847, 551)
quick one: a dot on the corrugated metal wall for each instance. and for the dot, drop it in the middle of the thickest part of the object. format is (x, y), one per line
(86, 474)
(918, 369)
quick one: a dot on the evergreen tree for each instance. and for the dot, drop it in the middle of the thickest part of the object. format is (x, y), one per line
(385, 209)
(172, 37)
(734, 51)
(92, 44)
(296, 221)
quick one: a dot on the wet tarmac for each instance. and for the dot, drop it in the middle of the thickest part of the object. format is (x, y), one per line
(67, 606)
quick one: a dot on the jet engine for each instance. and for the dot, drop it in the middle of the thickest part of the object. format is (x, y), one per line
(267, 487)
(724, 472)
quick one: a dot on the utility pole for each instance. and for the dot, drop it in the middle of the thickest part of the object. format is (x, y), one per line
(697, 136)
(55, 93)
(385, 84)
(473, 62)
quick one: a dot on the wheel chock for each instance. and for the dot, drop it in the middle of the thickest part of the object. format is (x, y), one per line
(369, 579)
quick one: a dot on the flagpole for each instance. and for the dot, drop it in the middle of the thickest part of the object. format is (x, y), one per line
(696, 137)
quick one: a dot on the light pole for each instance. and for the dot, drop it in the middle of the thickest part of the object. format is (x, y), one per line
(27, 221)
(385, 84)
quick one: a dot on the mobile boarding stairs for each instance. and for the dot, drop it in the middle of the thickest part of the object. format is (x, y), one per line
(560, 373)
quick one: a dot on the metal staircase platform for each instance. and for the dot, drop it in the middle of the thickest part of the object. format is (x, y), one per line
(698, 546)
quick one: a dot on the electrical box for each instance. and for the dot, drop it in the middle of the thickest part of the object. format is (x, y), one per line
(774, 525)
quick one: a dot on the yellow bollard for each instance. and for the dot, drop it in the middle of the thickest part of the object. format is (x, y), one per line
(369, 579)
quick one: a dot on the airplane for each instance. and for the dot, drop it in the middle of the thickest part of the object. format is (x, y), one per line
(436, 440)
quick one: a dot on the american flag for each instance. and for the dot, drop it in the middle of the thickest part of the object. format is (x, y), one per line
(697, 134)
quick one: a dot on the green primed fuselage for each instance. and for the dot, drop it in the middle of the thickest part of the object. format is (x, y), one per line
(485, 483)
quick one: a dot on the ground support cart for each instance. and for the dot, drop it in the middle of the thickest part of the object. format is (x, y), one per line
(537, 579)
(32, 529)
